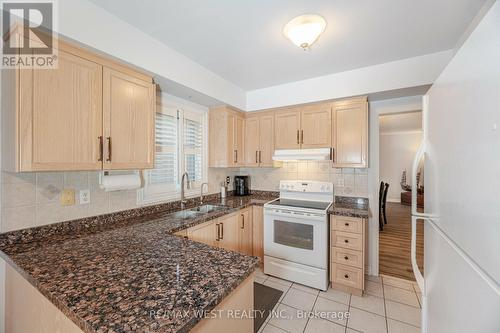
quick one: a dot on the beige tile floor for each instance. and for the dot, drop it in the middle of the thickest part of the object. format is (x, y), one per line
(389, 305)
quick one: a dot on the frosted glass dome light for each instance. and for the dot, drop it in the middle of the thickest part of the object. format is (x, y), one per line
(304, 30)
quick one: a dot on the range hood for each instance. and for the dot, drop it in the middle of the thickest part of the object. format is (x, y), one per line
(317, 154)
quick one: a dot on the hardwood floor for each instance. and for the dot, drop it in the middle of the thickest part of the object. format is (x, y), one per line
(394, 243)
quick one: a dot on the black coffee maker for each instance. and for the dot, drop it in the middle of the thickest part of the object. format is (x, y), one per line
(241, 185)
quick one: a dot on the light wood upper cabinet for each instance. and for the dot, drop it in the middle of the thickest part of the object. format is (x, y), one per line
(303, 127)
(259, 140)
(316, 126)
(59, 119)
(287, 129)
(226, 138)
(266, 138)
(239, 140)
(129, 111)
(59, 116)
(245, 231)
(252, 141)
(350, 133)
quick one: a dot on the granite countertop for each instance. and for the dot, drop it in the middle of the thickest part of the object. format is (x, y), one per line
(111, 276)
(352, 207)
(110, 273)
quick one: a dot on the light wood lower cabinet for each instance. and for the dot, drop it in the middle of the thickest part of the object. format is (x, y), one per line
(239, 231)
(240, 301)
(204, 233)
(347, 253)
(258, 232)
(245, 231)
(228, 232)
(27, 310)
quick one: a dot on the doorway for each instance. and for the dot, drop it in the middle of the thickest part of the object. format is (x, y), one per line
(400, 134)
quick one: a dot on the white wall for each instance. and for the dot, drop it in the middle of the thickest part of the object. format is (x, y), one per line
(89, 24)
(400, 74)
(397, 151)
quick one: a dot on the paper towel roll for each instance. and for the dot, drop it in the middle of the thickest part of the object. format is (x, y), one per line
(120, 182)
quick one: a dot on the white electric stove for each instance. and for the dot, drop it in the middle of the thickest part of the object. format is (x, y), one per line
(296, 233)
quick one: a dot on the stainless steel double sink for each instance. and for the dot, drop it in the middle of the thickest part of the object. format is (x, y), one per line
(196, 211)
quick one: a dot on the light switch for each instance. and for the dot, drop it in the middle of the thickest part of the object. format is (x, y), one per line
(84, 196)
(68, 197)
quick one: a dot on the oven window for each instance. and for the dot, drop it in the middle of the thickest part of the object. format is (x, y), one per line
(296, 235)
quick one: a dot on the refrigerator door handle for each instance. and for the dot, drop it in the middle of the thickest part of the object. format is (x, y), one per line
(413, 248)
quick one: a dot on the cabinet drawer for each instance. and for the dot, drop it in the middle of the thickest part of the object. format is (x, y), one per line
(348, 224)
(347, 240)
(347, 257)
(347, 276)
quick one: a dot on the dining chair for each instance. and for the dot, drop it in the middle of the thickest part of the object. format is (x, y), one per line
(384, 202)
(380, 197)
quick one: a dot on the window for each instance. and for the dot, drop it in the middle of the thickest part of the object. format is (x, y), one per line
(180, 146)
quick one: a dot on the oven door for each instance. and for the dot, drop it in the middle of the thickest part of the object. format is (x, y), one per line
(296, 236)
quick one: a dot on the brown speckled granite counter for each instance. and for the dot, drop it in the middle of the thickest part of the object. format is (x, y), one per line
(352, 207)
(108, 273)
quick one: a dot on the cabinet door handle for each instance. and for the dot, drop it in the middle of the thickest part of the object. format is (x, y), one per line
(298, 141)
(222, 231)
(346, 224)
(260, 156)
(109, 149)
(332, 155)
(346, 276)
(256, 156)
(346, 241)
(101, 148)
(217, 238)
(302, 136)
(242, 221)
(235, 156)
(346, 258)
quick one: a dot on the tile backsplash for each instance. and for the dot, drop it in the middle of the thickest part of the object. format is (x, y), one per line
(346, 181)
(33, 199)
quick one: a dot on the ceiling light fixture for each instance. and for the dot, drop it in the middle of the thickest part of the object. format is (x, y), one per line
(304, 30)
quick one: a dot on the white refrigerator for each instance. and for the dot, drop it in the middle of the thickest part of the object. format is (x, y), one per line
(461, 152)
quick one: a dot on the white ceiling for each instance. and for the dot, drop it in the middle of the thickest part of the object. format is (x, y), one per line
(242, 41)
(400, 122)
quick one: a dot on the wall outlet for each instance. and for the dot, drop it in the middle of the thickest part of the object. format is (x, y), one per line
(68, 197)
(84, 197)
